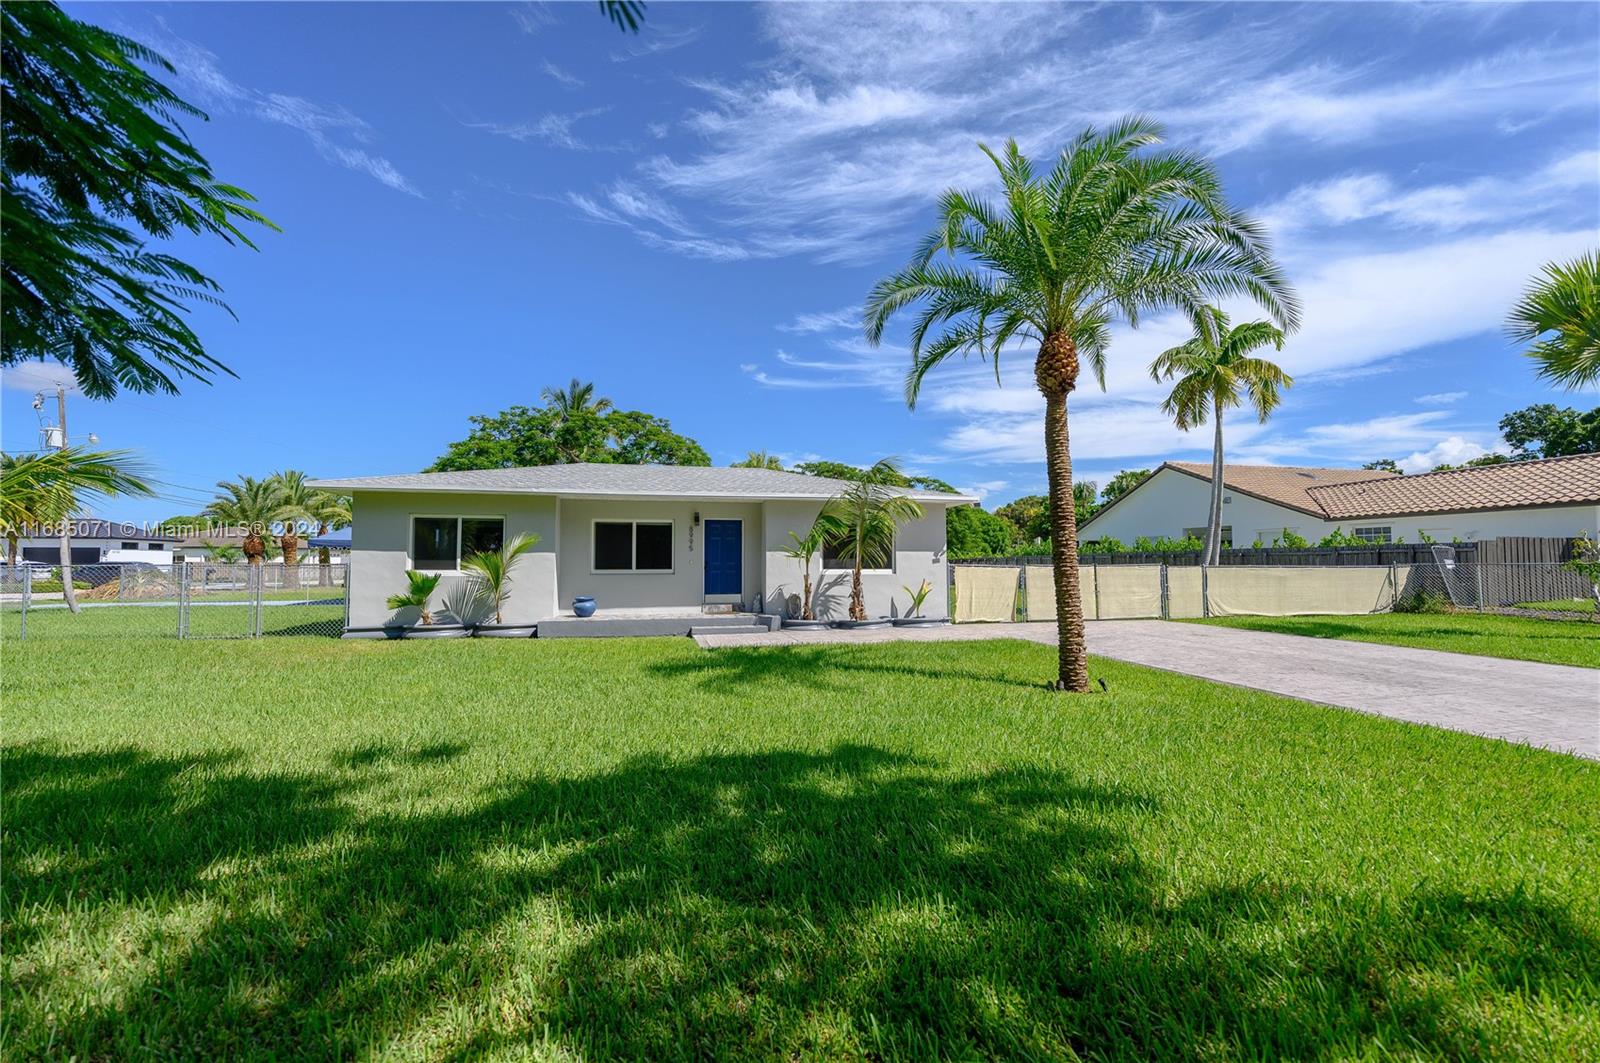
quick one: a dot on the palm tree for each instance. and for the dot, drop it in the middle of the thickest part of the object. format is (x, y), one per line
(576, 397)
(1085, 493)
(1560, 315)
(251, 505)
(803, 548)
(1211, 368)
(494, 568)
(331, 512)
(865, 516)
(52, 487)
(419, 588)
(1111, 233)
(758, 459)
(298, 504)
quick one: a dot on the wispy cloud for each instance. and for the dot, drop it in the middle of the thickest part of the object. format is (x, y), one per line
(656, 39)
(554, 129)
(337, 134)
(532, 18)
(570, 80)
(845, 318)
(654, 221)
(1440, 398)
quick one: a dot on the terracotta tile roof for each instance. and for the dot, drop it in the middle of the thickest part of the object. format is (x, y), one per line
(1566, 481)
(1287, 485)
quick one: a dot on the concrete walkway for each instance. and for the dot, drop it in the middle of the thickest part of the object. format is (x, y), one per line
(1549, 705)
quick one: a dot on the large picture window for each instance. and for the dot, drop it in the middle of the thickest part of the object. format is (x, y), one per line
(439, 543)
(836, 556)
(632, 546)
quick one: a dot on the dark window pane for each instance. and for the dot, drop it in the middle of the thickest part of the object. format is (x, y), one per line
(433, 542)
(481, 534)
(838, 553)
(613, 547)
(654, 546)
(833, 553)
(130, 546)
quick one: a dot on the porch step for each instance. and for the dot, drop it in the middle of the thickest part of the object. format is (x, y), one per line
(727, 629)
(718, 608)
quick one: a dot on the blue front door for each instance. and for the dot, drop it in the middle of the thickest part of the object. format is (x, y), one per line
(724, 556)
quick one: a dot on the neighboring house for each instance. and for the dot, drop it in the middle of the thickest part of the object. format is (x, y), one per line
(634, 537)
(199, 544)
(96, 541)
(1552, 497)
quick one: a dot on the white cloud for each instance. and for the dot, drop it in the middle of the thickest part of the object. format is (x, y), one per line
(848, 317)
(554, 129)
(571, 81)
(984, 488)
(1440, 398)
(656, 39)
(38, 376)
(1452, 450)
(531, 18)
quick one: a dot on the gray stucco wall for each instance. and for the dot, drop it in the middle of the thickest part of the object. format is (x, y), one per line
(684, 585)
(380, 550)
(919, 555)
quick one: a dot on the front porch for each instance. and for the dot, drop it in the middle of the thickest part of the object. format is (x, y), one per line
(656, 620)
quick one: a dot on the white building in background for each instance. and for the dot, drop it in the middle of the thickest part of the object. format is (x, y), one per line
(96, 542)
(1551, 497)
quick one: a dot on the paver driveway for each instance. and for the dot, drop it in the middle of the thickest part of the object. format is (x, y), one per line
(1549, 705)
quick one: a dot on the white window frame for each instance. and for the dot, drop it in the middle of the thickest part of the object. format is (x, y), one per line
(894, 555)
(411, 535)
(633, 558)
(1372, 530)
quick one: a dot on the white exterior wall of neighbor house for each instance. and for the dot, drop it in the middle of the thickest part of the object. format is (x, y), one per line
(1171, 501)
(919, 555)
(380, 549)
(685, 585)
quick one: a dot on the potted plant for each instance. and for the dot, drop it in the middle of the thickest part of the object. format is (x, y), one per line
(803, 549)
(419, 588)
(867, 514)
(915, 618)
(493, 569)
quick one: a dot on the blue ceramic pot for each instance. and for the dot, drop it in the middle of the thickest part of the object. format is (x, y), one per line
(583, 605)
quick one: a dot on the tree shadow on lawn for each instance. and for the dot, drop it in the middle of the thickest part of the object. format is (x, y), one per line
(726, 669)
(777, 904)
(1336, 629)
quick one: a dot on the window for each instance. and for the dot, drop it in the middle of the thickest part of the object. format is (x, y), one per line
(441, 542)
(1375, 533)
(130, 546)
(835, 555)
(632, 546)
(1200, 533)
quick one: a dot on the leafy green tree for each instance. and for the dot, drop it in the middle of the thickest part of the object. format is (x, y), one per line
(1111, 232)
(1545, 430)
(576, 398)
(253, 506)
(866, 513)
(94, 167)
(973, 532)
(1121, 484)
(1384, 465)
(54, 486)
(1029, 517)
(522, 436)
(1559, 315)
(758, 459)
(1211, 370)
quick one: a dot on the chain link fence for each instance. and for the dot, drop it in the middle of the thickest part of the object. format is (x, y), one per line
(1003, 592)
(190, 600)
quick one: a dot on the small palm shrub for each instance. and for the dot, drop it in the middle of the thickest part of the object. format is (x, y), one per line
(421, 586)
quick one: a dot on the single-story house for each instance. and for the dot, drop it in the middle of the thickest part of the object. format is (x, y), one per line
(95, 541)
(645, 538)
(1549, 497)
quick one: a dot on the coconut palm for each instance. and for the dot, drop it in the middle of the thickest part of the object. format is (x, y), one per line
(1560, 315)
(759, 459)
(803, 548)
(298, 504)
(330, 512)
(1212, 368)
(54, 486)
(494, 569)
(1111, 233)
(861, 522)
(576, 397)
(419, 588)
(251, 505)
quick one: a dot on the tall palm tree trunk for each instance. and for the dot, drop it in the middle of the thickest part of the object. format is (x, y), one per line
(291, 559)
(68, 591)
(858, 603)
(1214, 523)
(1074, 665)
(805, 602)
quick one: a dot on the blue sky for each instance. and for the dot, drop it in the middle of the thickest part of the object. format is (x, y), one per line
(480, 200)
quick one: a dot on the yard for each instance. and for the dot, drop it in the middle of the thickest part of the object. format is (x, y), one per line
(598, 849)
(1522, 638)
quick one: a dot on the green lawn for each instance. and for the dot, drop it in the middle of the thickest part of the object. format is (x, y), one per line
(216, 614)
(1562, 605)
(1522, 638)
(576, 849)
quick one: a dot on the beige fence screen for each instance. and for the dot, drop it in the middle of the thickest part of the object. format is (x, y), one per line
(1248, 590)
(986, 592)
(1184, 597)
(1041, 592)
(1124, 592)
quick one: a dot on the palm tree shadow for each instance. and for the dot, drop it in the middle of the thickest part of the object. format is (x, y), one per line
(729, 669)
(851, 901)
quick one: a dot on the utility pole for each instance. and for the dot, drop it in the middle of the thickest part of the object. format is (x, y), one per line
(68, 592)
